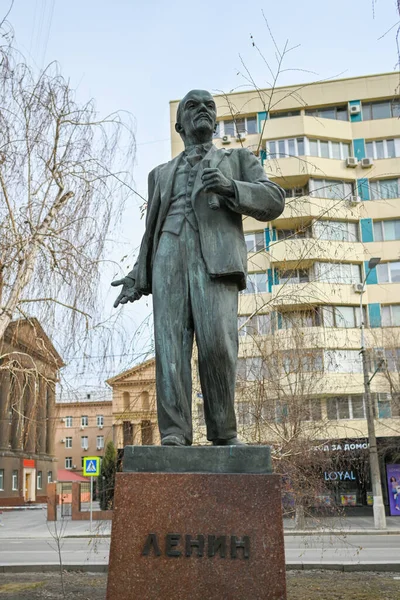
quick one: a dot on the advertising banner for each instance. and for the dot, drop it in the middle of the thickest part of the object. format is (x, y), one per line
(393, 479)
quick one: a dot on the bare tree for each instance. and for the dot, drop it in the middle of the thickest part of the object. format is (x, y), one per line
(64, 177)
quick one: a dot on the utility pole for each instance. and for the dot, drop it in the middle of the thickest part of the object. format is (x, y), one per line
(378, 506)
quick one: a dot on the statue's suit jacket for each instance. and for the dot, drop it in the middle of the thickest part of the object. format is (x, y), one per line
(221, 231)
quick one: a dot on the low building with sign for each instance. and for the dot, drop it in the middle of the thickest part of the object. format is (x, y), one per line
(29, 370)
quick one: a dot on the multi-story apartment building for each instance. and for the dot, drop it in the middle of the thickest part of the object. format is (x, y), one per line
(84, 426)
(335, 148)
(29, 370)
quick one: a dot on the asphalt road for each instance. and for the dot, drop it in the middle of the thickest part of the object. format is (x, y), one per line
(311, 549)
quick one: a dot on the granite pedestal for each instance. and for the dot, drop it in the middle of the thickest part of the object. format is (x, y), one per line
(199, 523)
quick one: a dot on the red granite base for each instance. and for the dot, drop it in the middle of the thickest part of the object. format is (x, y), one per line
(197, 536)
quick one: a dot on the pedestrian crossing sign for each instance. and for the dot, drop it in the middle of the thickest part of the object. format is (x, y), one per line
(91, 466)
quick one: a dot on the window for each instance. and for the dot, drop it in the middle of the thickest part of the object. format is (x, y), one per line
(301, 318)
(337, 272)
(255, 241)
(100, 442)
(84, 421)
(68, 462)
(331, 188)
(283, 114)
(296, 192)
(100, 421)
(342, 361)
(388, 272)
(392, 357)
(200, 414)
(294, 276)
(345, 407)
(49, 476)
(84, 442)
(250, 369)
(337, 231)
(285, 148)
(384, 189)
(342, 316)
(382, 149)
(244, 413)
(380, 110)
(390, 315)
(328, 149)
(39, 482)
(387, 230)
(247, 125)
(257, 325)
(256, 283)
(306, 361)
(388, 406)
(312, 409)
(68, 421)
(68, 442)
(329, 112)
(303, 232)
(2, 479)
(14, 481)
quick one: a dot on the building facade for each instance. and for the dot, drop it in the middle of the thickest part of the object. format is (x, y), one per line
(335, 148)
(29, 368)
(84, 426)
(134, 406)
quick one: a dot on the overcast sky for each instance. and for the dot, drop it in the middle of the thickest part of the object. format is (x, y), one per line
(138, 55)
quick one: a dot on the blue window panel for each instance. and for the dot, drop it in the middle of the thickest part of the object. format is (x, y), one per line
(270, 280)
(363, 188)
(263, 156)
(267, 238)
(279, 320)
(355, 118)
(274, 234)
(261, 116)
(372, 277)
(374, 314)
(359, 148)
(367, 231)
(276, 277)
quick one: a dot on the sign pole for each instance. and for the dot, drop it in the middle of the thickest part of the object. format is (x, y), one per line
(91, 503)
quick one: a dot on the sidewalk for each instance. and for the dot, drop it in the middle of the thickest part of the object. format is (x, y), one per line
(32, 524)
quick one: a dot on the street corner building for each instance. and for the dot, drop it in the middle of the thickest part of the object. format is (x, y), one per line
(29, 369)
(335, 149)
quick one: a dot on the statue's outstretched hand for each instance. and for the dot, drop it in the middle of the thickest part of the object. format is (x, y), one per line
(128, 293)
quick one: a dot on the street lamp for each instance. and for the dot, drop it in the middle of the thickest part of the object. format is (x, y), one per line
(378, 506)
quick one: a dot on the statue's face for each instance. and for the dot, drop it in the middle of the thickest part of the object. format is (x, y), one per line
(199, 114)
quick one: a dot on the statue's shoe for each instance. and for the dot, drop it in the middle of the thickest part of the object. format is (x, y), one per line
(174, 440)
(231, 442)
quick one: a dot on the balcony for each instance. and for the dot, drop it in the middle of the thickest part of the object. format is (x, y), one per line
(292, 253)
(301, 126)
(308, 207)
(282, 170)
(314, 292)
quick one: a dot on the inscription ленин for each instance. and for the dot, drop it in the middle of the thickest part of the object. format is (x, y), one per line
(177, 545)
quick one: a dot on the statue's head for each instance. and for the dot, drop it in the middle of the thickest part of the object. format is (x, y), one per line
(196, 116)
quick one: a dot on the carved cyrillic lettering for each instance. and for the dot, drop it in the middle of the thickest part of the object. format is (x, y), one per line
(151, 542)
(194, 543)
(217, 544)
(171, 541)
(240, 543)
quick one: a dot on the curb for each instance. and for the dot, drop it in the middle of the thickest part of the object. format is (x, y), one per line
(290, 566)
(321, 532)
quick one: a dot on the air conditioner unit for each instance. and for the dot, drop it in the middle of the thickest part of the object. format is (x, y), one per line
(226, 139)
(355, 109)
(62, 420)
(100, 426)
(82, 427)
(358, 288)
(99, 448)
(85, 448)
(63, 441)
(240, 137)
(351, 162)
(366, 162)
(74, 466)
(355, 200)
